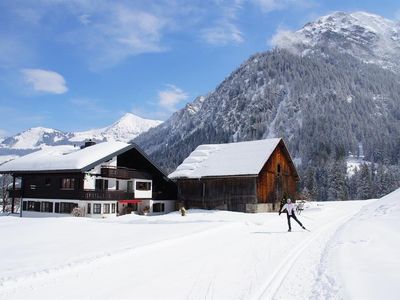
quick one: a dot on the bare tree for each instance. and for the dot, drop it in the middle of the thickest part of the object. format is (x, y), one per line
(5, 181)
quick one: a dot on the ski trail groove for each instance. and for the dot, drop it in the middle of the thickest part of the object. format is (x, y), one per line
(274, 281)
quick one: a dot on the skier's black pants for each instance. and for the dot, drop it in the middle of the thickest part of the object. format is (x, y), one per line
(294, 217)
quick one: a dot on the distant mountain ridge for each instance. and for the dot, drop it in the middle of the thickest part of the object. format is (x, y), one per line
(124, 130)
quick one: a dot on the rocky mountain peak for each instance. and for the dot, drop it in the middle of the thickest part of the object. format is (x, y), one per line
(368, 37)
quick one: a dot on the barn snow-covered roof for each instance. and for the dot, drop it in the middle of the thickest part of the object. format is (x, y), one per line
(234, 159)
(65, 158)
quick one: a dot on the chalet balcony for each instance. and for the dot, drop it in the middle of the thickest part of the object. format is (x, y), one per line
(106, 195)
(123, 173)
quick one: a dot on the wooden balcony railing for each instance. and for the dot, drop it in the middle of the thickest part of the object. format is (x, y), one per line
(106, 195)
(123, 173)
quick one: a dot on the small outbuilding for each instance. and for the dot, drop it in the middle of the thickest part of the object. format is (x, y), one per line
(246, 176)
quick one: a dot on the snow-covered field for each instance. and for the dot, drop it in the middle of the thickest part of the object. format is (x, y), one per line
(352, 252)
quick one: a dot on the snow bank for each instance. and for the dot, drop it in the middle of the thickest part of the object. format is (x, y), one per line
(362, 261)
(206, 254)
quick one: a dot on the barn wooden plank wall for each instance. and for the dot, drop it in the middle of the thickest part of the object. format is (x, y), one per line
(253, 193)
(277, 178)
(232, 193)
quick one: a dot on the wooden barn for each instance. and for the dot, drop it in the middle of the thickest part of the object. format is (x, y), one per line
(247, 176)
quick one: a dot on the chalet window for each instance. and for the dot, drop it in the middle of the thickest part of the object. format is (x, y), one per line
(158, 207)
(278, 169)
(24, 205)
(68, 183)
(33, 206)
(143, 186)
(47, 181)
(47, 207)
(129, 186)
(89, 208)
(117, 185)
(57, 207)
(101, 184)
(97, 208)
(106, 208)
(67, 207)
(113, 208)
(33, 186)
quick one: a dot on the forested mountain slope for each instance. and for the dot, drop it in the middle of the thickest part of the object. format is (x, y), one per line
(324, 102)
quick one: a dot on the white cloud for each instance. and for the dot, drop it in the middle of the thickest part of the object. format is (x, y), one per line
(88, 105)
(222, 34)
(286, 39)
(84, 19)
(104, 33)
(45, 81)
(271, 5)
(171, 96)
(397, 15)
(3, 133)
(114, 33)
(224, 30)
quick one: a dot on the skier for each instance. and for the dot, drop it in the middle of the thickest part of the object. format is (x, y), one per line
(290, 208)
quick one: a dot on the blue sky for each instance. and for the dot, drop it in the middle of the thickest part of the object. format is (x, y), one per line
(81, 64)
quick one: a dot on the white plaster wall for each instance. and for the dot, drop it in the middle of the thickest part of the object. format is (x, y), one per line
(102, 214)
(143, 194)
(169, 206)
(89, 181)
(81, 204)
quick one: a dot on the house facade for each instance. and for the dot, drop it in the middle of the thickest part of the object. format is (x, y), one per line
(97, 180)
(247, 176)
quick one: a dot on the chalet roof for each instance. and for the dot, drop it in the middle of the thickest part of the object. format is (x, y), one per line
(65, 158)
(234, 159)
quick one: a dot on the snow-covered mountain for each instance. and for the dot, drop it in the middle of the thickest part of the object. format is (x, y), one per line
(125, 129)
(326, 91)
(369, 37)
(33, 138)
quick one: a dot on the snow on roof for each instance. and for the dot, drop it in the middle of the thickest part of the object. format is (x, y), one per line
(244, 158)
(63, 157)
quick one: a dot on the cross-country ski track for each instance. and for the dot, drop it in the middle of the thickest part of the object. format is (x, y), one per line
(204, 255)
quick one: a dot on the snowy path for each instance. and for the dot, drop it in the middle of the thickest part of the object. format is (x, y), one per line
(206, 255)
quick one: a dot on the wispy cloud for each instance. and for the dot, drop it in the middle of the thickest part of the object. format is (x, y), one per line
(225, 30)
(171, 96)
(45, 81)
(167, 101)
(223, 33)
(103, 33)
(88, 105)
(119, 33)
(84, 19)
(3, 133)
(271, 5)
(287, 39)
(397, 15)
